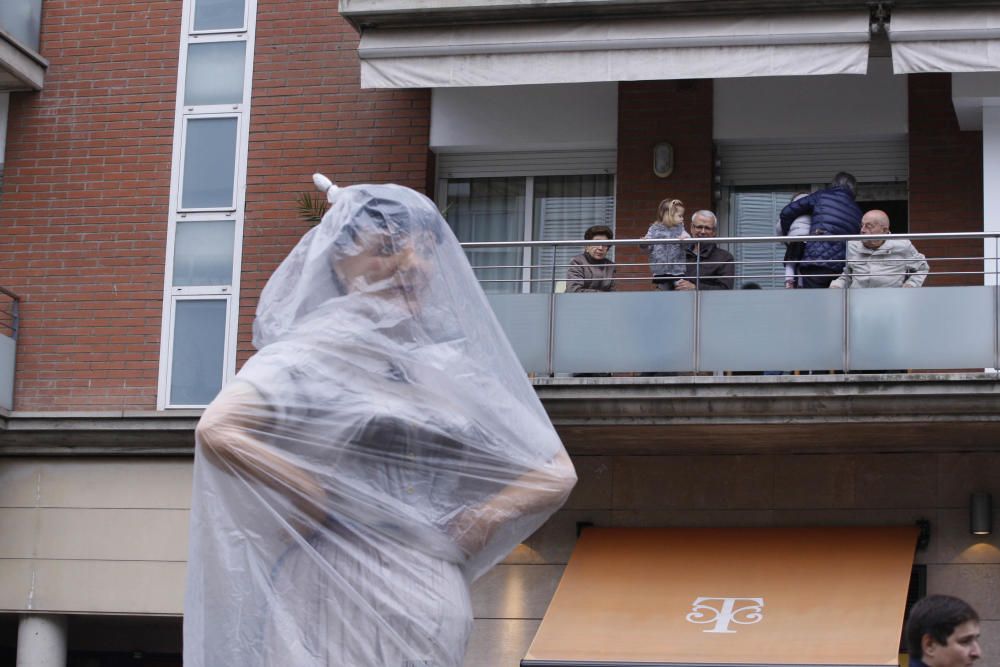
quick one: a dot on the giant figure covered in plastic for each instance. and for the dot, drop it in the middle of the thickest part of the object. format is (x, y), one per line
(381, 450)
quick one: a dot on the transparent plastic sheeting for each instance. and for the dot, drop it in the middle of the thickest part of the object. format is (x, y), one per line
(381, 450)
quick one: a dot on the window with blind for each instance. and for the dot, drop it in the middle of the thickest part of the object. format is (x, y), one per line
(755, 214)
(526, 208)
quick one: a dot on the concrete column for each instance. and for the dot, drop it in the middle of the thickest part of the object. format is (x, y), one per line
(991, 195)
(41, 640)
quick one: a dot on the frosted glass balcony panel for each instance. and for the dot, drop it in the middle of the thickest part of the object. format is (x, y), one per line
(525, 320)
(215, 73)
(780, 330)
(625, 331)
(203, 253)
(8, 349)
(219, 14)
(22, 19)
(199, 351)
(926, 328)
(209, 163)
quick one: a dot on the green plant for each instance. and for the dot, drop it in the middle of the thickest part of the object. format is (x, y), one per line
(311, 206)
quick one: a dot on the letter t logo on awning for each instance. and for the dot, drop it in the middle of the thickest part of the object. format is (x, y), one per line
(723, 611)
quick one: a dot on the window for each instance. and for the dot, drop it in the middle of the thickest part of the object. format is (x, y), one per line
(205, 221)
(526, 208)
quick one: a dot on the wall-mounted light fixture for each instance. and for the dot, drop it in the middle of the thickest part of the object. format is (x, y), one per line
(663, 159)
(980, 514)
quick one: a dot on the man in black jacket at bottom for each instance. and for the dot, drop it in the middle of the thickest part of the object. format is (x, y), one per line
(708, 265)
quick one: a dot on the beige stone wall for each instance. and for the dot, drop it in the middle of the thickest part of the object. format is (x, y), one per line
(753, 490)
(94, 535)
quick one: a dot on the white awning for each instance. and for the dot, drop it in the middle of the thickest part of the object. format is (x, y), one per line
(954, 40)
(621, 50)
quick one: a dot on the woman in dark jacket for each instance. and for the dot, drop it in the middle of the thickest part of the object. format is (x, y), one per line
(591, 270)
(833, 211)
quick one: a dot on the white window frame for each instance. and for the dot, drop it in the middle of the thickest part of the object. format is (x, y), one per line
(183, 113)
(189, 20)
(238, 159)
(227, 352)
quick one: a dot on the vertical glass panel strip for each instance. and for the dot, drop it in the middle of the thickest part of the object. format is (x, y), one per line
(926, 328)
(626, 331)
(215, 73)
(219, 14)
(22, 19)
(199, 351)
(772, 330)
(203, 253)
(209, 163)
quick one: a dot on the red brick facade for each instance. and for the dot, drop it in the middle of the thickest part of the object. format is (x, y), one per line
(84, 205)
(946, 178)
(309, 114)
(649, 112)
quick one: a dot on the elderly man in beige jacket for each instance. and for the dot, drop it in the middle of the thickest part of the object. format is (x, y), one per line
(881, 262)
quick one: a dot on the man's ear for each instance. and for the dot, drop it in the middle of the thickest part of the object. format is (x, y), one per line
(927, 646)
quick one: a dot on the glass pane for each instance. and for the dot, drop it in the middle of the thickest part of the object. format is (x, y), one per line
(219, 14)
(754, 214)
(489, 209)
(203, 253)
(772, 330)
(525, 320)
(199, 350)
(209, 163)
(564, 207)
(22, 19)
(215, 73)
(624, 331)
(925, 328)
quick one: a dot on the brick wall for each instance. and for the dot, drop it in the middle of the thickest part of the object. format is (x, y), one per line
(87, 180)
(85, 191)
(650, 112)
(309, 114)
(946, 178)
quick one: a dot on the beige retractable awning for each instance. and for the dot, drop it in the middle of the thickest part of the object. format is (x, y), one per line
(742, 596)
(955, 40)
(614, 50)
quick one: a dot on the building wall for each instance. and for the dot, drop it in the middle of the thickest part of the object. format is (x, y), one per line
(649, 112)
(310, 115)
(752, 490)
(85, 190)
(946, 178)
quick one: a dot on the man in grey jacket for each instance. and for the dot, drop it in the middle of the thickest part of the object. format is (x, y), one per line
(881, 262)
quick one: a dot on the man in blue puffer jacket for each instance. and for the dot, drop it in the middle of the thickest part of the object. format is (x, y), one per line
(833, 211)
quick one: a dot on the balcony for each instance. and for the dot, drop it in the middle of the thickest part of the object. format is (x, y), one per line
(21, 66)
(822, 370)
(9, 303)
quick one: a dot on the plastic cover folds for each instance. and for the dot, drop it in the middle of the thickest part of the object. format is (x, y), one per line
(381, 450)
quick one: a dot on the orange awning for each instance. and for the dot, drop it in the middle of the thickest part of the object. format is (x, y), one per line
(735, 596)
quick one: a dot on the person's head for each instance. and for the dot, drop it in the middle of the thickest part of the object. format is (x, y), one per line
(943, 631)
(846, 181)
(874, 222)
(598, 233)
(704, 225)
(670, 212)
(799, 195)
(751, 286)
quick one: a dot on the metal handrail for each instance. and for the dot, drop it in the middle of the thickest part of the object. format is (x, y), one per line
(10, 318)
(534, 273)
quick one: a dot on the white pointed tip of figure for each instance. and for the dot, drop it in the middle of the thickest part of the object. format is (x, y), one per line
(325, 185)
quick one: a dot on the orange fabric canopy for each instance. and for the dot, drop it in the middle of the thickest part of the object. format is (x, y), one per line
(739, 596)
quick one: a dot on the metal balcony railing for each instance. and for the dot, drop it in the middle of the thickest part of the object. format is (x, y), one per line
(952, 323)
(9, 322)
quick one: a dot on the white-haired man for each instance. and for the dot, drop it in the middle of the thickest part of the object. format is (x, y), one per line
(708, 265)
(881, 262)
